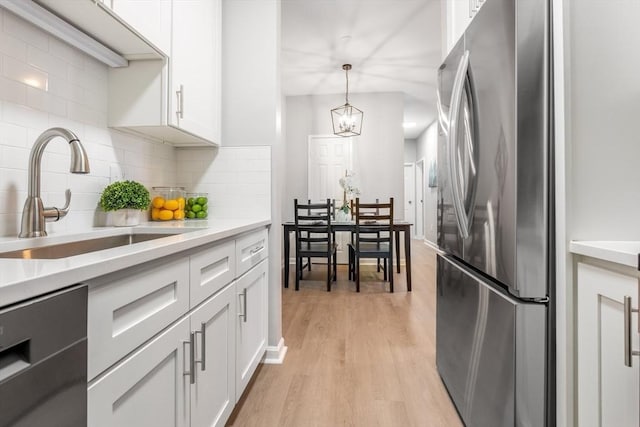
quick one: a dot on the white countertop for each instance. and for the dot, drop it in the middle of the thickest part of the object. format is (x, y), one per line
(620, 252)
(21, 279)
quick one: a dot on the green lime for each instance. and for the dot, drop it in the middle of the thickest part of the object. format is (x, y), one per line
(201, 214)
(202, 200)
(191, 214)
(205, 207)
(196, 208)
(191, 201)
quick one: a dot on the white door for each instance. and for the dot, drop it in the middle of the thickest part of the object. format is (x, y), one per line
(195, 64)
(213, 395)
(149, 388)
(607, 389)
(409, 193)
(329, 158)
(251, 321)
(420, 199)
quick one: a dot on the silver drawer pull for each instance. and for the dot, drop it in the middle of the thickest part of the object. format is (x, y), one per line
(192, 365)
(243, 314)
(203, 354)
(256, 250)
(628, 352)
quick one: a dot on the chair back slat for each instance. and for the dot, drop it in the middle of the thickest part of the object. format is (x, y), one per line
(374, 223)
(312, 225)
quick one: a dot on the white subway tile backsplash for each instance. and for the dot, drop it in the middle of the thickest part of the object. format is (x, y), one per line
(13, 91)
(61, 50)
(24, 73)
(42, 100)
(13, 47)
(13, 135)
(24, 116)
(45, 61)
(62, 87)
(13, 157)
(23, 30)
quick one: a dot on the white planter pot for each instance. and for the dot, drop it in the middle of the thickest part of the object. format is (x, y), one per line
(125, 217)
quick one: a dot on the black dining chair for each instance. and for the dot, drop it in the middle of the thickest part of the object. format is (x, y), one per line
(373, 238)
(314, 238)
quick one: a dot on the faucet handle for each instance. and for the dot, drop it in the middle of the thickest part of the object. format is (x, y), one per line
(54, 214)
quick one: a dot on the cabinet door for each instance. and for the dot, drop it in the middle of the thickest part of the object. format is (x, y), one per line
(211, 270)
(607, 389)
(195, 67)
(149, 388)
(251, 338)
(213, 394)
(149, 18)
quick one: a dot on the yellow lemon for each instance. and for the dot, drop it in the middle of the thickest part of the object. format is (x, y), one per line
(155, 214)
(158, 202)
(165, 215)
(179, 214)
(171, 204)
(180, 203)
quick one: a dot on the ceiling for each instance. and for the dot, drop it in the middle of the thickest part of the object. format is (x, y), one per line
(393, 45)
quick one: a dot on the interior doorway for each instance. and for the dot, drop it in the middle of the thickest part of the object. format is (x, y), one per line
(419, 177)
(329, 157)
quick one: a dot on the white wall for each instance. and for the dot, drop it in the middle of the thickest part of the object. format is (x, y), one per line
(378, 151)
(251, 114)
(427, 145)
(604, 98)
(410, 149)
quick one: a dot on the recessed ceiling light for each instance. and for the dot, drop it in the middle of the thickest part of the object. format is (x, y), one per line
(408, 125)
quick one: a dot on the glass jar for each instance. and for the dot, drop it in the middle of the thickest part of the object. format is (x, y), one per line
(197, 206)
(167, 203)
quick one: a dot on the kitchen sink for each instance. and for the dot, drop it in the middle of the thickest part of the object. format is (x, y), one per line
(79, 247)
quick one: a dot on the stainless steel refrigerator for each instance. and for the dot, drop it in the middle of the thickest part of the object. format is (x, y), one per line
(495, 270)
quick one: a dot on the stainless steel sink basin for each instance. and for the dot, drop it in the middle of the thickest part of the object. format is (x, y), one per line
(79, 247)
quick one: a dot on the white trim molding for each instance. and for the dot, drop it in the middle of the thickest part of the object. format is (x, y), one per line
(274, 355)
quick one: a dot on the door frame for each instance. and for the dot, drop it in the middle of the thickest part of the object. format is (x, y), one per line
(420, 195)
(413, 197)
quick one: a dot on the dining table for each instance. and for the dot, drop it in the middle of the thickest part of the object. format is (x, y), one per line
(398, 227)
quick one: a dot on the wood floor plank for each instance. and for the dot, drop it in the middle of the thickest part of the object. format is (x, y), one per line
(354, 359)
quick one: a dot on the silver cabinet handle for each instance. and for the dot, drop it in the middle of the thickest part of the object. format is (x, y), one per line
(628, 352)
(243, 314)
(180, 96)
(191, 372)
(203, 340)
(256, 250)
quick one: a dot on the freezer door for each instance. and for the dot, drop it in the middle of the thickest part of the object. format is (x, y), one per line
(490, 350)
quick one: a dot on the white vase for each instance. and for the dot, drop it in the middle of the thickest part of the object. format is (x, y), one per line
(342, 216)
(125, 217)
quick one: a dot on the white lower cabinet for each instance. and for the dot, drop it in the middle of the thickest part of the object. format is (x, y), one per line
(213, 388)
(251, 331)
(149, 388)
(188, 370)
(608, 391)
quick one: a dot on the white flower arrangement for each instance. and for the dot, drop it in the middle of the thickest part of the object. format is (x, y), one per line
(349, 187)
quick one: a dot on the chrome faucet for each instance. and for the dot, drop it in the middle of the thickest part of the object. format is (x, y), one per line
(34, 214)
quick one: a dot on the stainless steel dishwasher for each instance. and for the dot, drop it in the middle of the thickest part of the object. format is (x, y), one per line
(43, 361)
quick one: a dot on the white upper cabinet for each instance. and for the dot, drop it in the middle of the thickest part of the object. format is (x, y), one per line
(177, 99)
(149, 18)
(459, 15)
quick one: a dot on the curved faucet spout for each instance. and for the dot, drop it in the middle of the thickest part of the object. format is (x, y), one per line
(33, 213)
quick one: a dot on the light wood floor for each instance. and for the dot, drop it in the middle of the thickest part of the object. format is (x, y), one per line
(363, 359)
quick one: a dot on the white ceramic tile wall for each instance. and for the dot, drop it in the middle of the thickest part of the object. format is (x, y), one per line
(238, 179)
(45, 83)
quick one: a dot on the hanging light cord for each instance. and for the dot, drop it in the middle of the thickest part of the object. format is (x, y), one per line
(346, 74)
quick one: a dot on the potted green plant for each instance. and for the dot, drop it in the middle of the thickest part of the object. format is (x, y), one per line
(124, 200)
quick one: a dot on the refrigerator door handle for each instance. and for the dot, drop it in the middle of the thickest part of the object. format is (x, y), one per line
(456, 99)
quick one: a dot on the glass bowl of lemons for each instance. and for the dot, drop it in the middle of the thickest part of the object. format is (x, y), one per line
(197, 206)
(168, 203)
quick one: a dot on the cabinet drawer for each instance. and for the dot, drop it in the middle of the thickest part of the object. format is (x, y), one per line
(250, 250)
(129, 307)
(211, 270)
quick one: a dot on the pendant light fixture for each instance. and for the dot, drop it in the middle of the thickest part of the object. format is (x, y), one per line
(346, 119)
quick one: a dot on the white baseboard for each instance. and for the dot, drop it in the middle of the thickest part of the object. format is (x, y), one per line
(274, 355)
